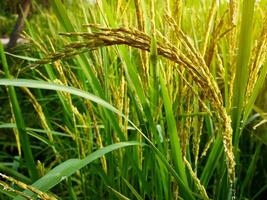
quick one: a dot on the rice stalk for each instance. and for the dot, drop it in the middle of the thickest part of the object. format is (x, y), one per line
(198, 123)
(178, 12)
(218, 32)
(221, 69)
(39, 110)
(40, 194)
(141, 27)
(122, 82)
(9, 188)
(232, 38)
(192, 62)
(99, 141)
(206, 148)
(17, 115)
(242, 66)
(118, 194)
(154, 71)
(259, 54)
(184, 134)
(197, 182)
(195, 92)
(210, 19)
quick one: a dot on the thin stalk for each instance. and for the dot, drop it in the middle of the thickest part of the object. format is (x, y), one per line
(172, 129)
(83, 62)
(251, 169)
(153, 61)
(24, 139)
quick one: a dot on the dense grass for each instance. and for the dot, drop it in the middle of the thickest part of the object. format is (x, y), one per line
(136, 100)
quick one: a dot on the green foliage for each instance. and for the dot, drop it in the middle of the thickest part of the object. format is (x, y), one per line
(178, 81)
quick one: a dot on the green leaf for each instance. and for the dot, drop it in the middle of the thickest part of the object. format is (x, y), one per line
(69, 167)
(23, 137)
(256, 90)
(22, 57)
(172, 131)
(138, 197)
(118, 194)
(242, 68)
(52, 86)
(86, 95)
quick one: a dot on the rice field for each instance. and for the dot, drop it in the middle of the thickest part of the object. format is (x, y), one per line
(136, 99)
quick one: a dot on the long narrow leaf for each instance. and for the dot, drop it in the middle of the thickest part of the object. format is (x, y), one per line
(24, 140)
(69, 167)
(242, 63)
(86, 95)
(172, 130)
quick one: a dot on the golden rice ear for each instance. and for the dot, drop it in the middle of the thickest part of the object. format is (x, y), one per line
(8, 187)
(189, 57)
(259, 54)
(141, 27)
(232, 37)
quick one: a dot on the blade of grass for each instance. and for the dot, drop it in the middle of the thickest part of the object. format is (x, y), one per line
(28, 129)
(52, 86)
(211, 164)
(135, 83)
(174, 139)
(24, 139)
(251, 170)
(256, 91)
(14, 173)
(118, 194)
(38, 193)
(83, 62)
(138, 197)
(69, 167)
(262, 190)
(153, 61)
(242, 69)
(5, 191)
(22, 57)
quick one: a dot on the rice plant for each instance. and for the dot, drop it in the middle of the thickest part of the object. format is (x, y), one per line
(136, 100)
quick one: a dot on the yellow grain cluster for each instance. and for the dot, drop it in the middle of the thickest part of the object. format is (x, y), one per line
(258, 58)
(189, 57)
(41, 195)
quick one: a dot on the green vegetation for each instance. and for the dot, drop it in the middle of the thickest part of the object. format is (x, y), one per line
(136, 99)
